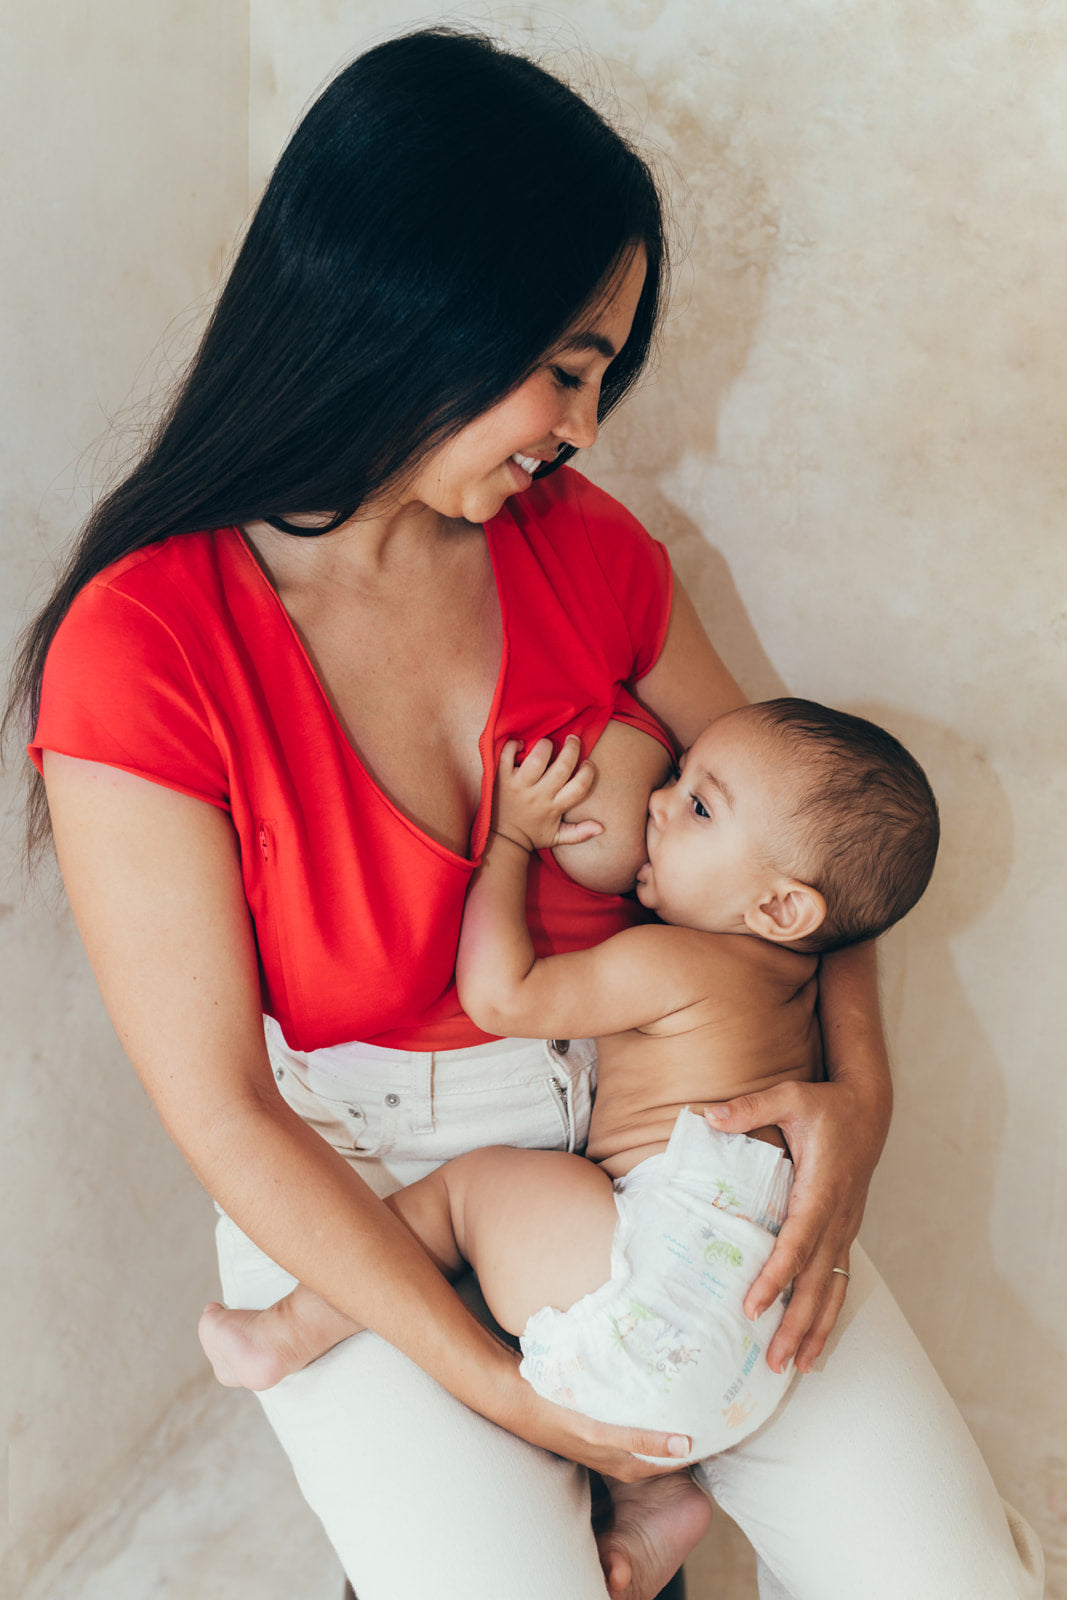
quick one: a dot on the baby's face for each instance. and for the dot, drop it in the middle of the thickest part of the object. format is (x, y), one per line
(711, 831)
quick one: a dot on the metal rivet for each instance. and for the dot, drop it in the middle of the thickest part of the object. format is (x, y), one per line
(392, 1099)
(561, 1046)
(280, 1074)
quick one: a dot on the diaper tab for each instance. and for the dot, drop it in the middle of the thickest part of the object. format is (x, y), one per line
(752, 1179)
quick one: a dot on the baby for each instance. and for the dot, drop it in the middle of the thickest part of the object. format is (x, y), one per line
(789, 830)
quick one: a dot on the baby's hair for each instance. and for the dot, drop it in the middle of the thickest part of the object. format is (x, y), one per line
(865, 826)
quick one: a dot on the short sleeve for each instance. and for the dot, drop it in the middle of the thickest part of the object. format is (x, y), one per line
(118, 688)
(636, 568)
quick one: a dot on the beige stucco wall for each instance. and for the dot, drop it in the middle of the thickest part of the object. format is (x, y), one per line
(855, 449)
(123, 130)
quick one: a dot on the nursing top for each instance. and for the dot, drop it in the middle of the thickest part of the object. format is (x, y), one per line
(179, 663)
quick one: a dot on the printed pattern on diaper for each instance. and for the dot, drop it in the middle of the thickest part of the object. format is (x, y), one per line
(665, 1343)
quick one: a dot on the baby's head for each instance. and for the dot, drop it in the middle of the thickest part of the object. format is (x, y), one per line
(802, 825)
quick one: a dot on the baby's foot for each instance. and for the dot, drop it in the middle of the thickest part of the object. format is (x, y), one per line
(243, 1348)
(654, 1526)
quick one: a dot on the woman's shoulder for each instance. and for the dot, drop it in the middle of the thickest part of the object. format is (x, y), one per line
(161, 611)
(185, 568)
(592, 557)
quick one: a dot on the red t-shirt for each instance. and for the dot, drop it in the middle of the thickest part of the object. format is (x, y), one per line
(180, 664)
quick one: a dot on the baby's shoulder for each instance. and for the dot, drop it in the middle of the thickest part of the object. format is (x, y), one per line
(722, 963)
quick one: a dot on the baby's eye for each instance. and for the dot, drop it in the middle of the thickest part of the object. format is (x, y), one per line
(565, 379)
(699, 808)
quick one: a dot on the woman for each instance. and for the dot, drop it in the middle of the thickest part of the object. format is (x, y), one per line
(268, 763)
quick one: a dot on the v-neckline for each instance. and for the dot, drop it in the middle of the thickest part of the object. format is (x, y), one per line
(479, 829)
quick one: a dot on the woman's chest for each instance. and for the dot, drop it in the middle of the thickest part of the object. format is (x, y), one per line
(410, 672)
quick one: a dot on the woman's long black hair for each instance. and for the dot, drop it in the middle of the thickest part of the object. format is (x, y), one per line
(442, 214)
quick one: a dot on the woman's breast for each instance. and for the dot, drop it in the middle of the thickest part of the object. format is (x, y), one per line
(630, 763)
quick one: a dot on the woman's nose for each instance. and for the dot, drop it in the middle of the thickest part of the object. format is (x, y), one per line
(579, 426)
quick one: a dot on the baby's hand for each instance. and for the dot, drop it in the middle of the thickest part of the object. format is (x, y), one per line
(531, 799)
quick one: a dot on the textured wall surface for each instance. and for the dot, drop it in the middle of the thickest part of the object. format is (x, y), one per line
(124, 140)
(855, 448)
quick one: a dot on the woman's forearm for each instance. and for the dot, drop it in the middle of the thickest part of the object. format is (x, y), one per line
(303, 1205)
(853, 1042)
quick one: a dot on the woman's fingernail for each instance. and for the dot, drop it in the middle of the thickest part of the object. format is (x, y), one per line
(716, 1113)
(678, 1446)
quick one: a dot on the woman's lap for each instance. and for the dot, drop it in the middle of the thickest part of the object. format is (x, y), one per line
(866, 1484)
(417, 1494)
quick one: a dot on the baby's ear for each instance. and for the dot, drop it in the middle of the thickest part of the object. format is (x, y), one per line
(793, 911)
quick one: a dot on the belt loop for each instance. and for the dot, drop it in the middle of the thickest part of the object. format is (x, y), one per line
(422, 1074)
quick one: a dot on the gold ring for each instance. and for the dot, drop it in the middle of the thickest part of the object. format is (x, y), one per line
(843, 1271)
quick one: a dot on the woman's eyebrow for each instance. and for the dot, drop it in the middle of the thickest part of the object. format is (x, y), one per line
(589, 340)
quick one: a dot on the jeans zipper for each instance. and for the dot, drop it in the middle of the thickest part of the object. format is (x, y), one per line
(563, 1095)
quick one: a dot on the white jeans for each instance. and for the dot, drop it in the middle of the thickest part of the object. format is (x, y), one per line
(864, 1485)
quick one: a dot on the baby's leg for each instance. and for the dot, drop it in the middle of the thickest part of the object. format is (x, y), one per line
(629, 765)
(257, 1349)
(537, 1226)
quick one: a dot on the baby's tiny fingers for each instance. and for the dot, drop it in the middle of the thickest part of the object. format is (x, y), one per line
(537, 761)
(508, 755)
(578, 832)
(576, 788)
(567, 757)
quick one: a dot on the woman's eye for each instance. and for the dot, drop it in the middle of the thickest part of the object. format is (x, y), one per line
(565, 379)
(699, 808)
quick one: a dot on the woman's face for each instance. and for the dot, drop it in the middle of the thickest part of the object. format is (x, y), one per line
(473, 474)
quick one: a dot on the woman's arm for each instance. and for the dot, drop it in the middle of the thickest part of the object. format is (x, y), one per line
(835, 1130)
(154, 882)
(689, 686)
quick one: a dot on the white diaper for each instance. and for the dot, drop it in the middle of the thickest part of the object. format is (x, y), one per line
(665, 1343)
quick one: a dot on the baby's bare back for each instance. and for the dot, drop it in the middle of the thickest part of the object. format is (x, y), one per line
(753, 1024)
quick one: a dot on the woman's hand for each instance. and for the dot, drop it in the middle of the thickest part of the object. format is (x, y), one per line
(611, 1451)
(835, 1137)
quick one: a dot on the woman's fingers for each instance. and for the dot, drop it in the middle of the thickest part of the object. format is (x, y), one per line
(825, 1209)
(767, 1108)
(668, 1451)
(811, 1347)
(612, 1451)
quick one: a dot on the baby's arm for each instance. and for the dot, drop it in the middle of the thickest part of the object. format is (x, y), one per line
(628, 980)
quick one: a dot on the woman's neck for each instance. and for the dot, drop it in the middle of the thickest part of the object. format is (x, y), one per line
(371, 550)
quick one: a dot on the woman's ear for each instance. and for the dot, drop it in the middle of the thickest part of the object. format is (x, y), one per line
(793, 911)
